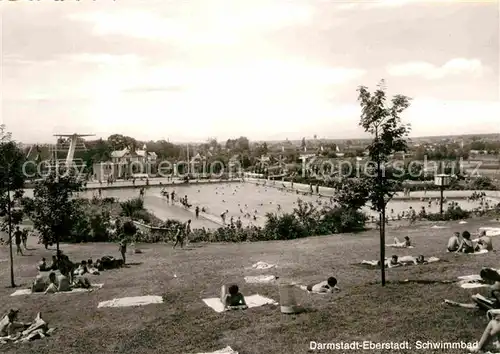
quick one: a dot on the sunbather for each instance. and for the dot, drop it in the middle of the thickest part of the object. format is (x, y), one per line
(9, 325)
(54, 265)
(406, 260)
(39, 284)
(42, 266)
(393, 262)
(484, 242)
(466, 245)
(454, 242)
(82, 269)
(491, 331)
(327, 286)
(490, 276)
(398, 244)
(63, 282)
(53, 286)
(233, 298)
(81, 282)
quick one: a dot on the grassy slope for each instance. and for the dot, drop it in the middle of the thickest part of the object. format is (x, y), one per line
(363, 311)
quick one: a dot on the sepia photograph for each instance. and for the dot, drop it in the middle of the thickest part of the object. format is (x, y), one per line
(249, 176)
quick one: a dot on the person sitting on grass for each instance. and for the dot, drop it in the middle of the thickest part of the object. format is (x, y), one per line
(484, 242)
(492, 331)
(81, 282)
(42, 266)
(466, 245)
(82, 269)
(454, 242)
(398, 244)
(327, 286)
(233, 299)
(54, 265)
(53, 286)
(39, 284)
(9, 325)
(489, 276)
(63, 281)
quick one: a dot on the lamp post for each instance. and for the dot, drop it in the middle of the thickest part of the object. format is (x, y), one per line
(441, 180)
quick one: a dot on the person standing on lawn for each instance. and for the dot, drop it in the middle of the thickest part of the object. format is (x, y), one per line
(18, 235)
(123, 249)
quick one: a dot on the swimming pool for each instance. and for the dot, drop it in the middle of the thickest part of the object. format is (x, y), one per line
(242, 198)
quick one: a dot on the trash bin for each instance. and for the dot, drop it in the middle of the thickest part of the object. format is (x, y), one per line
(288, 301)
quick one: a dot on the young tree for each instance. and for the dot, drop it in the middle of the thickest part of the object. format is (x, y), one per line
(383, 122)
(11, 188)
(54, 210)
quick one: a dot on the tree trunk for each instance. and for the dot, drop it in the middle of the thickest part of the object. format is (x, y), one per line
(9, 211)
(382, 246)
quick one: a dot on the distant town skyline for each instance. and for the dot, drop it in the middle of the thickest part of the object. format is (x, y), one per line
(268, 70)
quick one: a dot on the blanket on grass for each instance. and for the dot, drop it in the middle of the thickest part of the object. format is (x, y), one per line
(226, 350)
(263, 265)
(252, 301)
(73, 291)
(260, 279)
(131, 301)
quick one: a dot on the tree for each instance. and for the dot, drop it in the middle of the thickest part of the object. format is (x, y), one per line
(11, 187)
(55, 211)
(383, 122)
(351, 193)
(303, 144)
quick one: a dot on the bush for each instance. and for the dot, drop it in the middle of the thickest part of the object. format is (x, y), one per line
(131, 206)
(453, 212)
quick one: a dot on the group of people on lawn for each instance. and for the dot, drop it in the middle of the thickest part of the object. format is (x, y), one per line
(71, 275)
(463, 243)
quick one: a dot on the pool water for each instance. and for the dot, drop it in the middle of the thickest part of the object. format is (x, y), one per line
(242, 198)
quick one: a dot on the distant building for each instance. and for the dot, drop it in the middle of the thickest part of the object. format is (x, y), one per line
(125, 164)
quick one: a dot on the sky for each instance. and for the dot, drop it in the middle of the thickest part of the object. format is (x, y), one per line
(187, 70)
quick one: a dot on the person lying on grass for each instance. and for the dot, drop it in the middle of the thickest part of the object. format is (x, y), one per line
(389, 263)
(398, 244)
(233, 299)
(327, 286)
(466, 245)
(408, 260)
(9, 324)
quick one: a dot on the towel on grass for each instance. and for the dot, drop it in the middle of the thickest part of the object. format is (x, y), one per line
(263, 265)
(73, 291)
(458, 304)
(473, 284)
(479, 252)
(260, 279)
(395, 245)
(491, 231)
(462, 222)
(226, 350)
(131, 301)
(252, 301)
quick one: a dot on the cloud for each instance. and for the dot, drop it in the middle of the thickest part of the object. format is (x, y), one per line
(104, 59)
(225, 24)
(454, 67)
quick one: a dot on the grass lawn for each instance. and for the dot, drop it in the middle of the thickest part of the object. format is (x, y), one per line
(184, 324)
